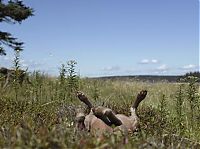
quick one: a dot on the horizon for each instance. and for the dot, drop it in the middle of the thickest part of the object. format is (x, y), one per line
(109, 38)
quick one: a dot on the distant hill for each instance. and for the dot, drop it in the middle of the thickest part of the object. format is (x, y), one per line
(153, 78)
(148, 78)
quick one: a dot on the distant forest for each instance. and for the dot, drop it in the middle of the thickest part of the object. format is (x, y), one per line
(195, 74)
(153, 78)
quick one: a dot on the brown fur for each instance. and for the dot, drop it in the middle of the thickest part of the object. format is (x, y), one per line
(95, 125)
(100, 118)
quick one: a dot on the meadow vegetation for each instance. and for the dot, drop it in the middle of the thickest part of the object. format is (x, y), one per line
(42, 114)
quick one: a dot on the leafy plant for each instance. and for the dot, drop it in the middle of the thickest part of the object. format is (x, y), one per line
(48, 122)
(95, 91)
(72, 78)
(192, 96)
(16, 73)
(179, 110)
(62, 82)
(163, 111)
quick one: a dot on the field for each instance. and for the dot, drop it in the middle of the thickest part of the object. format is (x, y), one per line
(42, 114)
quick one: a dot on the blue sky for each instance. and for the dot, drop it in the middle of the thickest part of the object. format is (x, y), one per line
(110, 37)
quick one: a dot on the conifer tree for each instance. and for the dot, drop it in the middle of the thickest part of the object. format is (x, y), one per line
(12, 12)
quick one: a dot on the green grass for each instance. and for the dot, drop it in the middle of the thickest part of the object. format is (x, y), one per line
(43, 115)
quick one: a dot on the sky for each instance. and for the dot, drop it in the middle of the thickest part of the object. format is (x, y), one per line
(109, 37)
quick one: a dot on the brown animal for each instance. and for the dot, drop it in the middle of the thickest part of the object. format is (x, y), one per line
(9, 74)
(100, 119)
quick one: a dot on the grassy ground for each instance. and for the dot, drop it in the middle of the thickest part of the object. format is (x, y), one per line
(42, 114)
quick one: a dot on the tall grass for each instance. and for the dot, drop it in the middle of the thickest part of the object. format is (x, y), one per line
(42, 114)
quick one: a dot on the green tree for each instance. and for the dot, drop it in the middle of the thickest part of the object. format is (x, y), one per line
(72, 78)
(12, 12)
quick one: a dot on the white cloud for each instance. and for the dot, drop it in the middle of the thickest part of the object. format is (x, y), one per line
(7, 61)
(190, 66)
(144, 61)
(162, 67)
(111, 68)
(149, 61)
(160, 72)
(155, 61)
